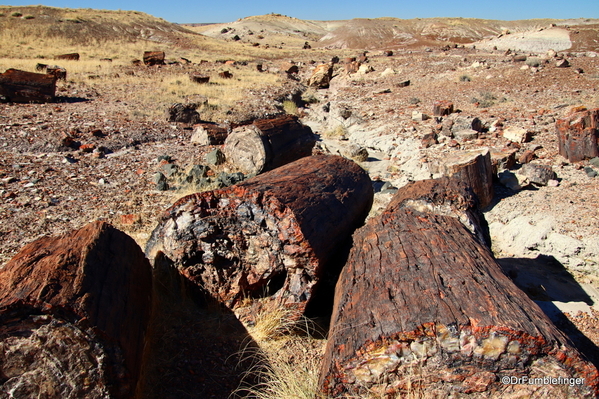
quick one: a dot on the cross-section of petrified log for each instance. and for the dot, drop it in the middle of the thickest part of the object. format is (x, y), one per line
(268, 236)
(73, 316)
(268, 143)
(423, 308)
(444, 196)
(22, 86)
(578, 135)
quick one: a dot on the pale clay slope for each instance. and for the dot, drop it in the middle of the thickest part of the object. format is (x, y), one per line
(557, 39)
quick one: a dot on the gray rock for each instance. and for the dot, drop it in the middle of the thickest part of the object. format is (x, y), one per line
(158, 177)
(538, 174)
(215, 157)
(169, 169)
(595, 162)
(184, 113)
(228, 179)
(590, 171)
(534, 62)
(513, 181)
(197, 174)
(465, 123)
(162, 186)
(467, 134)
(357, 153)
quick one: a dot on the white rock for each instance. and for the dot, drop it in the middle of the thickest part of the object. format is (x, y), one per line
(516, 134)
(388, 72)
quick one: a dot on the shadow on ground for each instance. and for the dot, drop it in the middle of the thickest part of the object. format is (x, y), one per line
(196, 347)
(545, 280)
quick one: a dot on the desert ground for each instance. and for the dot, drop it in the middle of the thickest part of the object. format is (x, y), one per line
(94, 153)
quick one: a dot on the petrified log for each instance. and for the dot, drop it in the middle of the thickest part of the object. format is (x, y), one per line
(198, 78)
(59, 72)
(268, 143)
(321, 77)
(444, 196)
(209, 133)
(442, 108)
(225, 75)
(423, 308)
(153, 58)
(22, 86)
(183, 113)
(578, 135)
(70, 56)
(475, 169)
(269, 236)
(73, 315)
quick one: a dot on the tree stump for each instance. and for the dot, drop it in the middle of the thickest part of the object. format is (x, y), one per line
(475, 169)
(23, 87)
(208, 133)
(422, 308)
(578, 135)
(442, 108)
(73, 315)
(268, 143)
(269, 236)
(152, 58)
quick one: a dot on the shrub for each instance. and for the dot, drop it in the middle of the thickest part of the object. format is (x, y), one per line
(465, 78)
(29, 16)
(16, 14)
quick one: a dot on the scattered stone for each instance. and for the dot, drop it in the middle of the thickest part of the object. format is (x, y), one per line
(563, 63)
(538, 174)
(364, 69)
(466, 123)
(321, 77)
(158, 177)
(183, 113)
(519, 58)
(429, 139)
(357, 153)
(70, 57)
(199, 78)
(513, 181)
(534, 62)
(169, 169)
(225, 75)
(552, 183)
(517, 134)
(578, 70)
(419, 116)
(590, 171)
(442, 108)
(152, 58)
(403, 83)
(215, 157)
(228, 179)
(289, 68)
(526, 157)
(467, 134)
(197, 174)
(594, 162)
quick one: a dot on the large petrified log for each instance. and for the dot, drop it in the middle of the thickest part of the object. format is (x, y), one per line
(23, 86)
(268, 143)
(269, 236)
(578, 135)
(422, 308)
(73, 316)
(152, 58)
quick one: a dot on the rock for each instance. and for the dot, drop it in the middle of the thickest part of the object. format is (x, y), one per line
(199, 78)
(225, 75)
(429, 139)
(466, 123)
(169, 169)
(467, 134)
(442, 108)
(59, 72)
(352, 67)
(197, 174)
(289, 68)
(419, 116)
(403, 83)
(387, 72)
(578, 134)
(215, 157)
(357, 153)
(321, 77)
(25, 87)
(526, 157)
(534, 62)
(70, 57)
(228, 179)
(513, 181)
(152, 58)
(183, 113)
(594, 162)
(538, 174)
(563, 63)
(516, 134)
(590, 171)
(364, 69)
(502, 159)
(519, 58)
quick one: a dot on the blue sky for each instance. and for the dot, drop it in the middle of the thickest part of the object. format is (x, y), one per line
(231, 10)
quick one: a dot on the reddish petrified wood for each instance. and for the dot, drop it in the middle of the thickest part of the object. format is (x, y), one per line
(267, 144)
(422, 308)
(442, 108)
(70, 56)
(269, 236)
(578, 135)
(153, 58)
(444, 196)
(22, 86)
(87, 296)
(209, 133)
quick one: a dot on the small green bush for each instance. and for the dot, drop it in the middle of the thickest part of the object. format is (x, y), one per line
(29, 16)
(16, 14)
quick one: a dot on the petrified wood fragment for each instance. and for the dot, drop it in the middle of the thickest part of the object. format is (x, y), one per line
(578, 135)
(268, 143)
(24, 87)
(269, 236)
(73, 315)
(152, 58)
(423, 308)
(209, 133)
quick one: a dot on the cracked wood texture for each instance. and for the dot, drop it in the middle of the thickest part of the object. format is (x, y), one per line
(578, 135)
(209, 133)
(23, 87)
(268, 237)
(73, 316)
(267, 144)
(422, 308)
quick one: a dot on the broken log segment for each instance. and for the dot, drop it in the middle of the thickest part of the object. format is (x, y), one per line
(24, 87)
(444, 196)
(423, 307)
(578, 135)
(87, 295)
(209, 133)
(267, 144)
(269, 236)
(475, 169)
